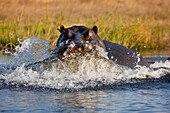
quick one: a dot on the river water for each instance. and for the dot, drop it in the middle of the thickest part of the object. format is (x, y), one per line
(85, 84)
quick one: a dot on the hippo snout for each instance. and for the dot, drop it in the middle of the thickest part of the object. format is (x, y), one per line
(78, 47)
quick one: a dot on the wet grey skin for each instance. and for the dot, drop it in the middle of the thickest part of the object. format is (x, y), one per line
(123, 55)
(79, 35)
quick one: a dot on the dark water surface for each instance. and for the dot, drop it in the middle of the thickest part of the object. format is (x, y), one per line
(146, 97)
(155, 99)
(109, 96)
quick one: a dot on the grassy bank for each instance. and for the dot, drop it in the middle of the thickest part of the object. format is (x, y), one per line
(136, 29)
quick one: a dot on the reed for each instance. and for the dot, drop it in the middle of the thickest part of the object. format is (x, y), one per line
(135, 32)
(140, 33)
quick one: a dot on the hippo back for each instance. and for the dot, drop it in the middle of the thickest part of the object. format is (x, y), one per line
(123, 55)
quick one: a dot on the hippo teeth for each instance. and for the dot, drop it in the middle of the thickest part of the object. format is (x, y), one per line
(86, 45)
(72, 44)
(80, 49)
(90, 47)
(65, 53)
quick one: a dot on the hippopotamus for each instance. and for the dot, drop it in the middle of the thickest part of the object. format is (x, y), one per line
(82, 40)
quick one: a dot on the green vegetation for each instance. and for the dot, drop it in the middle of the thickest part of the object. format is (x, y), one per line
(135, 32)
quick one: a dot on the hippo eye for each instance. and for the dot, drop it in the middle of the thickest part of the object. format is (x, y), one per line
(90, 35)
(67, 34)
(87, 35)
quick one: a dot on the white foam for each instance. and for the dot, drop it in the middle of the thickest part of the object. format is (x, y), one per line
(84, 73)
(77, 73)
(161, 64)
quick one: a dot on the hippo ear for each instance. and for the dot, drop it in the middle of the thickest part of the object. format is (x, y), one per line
(61, 28)
(69, 33)
(95, 29)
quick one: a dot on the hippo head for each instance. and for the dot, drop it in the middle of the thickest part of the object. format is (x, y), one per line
(77, 39)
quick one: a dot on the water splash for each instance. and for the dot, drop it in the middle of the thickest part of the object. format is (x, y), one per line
(77, 73)
(30, 50)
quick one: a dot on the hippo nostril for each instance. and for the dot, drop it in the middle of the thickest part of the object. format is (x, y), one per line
(82, 47)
